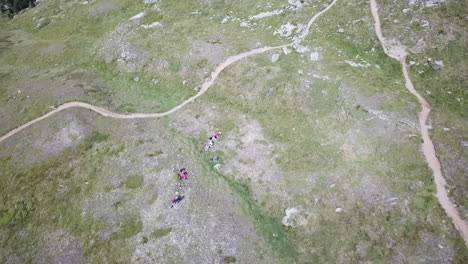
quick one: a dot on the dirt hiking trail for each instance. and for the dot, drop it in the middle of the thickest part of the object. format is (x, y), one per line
(399, 53)
(206, 84)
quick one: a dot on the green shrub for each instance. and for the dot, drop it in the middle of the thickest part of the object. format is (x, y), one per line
(229, 259)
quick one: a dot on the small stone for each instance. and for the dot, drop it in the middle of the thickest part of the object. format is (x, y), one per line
(337, 210)
(275, 57)
(446, 129)
(314, 56)
(340, 30)
(136, 79)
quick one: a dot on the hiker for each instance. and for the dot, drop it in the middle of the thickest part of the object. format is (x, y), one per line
(206, 147)
(215, 136)
(215, 159)
(183, 174)
(177, 198)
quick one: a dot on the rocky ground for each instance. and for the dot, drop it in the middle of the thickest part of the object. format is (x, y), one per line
(320, 158)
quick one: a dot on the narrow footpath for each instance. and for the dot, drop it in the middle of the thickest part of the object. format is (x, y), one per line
(206, 84)
(399, 53)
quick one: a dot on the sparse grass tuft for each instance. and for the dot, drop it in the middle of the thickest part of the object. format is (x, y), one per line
(229, 259)
(134, 181)
(158, 233)
(129, 228)
(153, 199)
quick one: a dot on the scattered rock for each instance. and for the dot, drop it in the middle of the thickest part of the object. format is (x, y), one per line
(42, 22)
(266, 14)
(137, 16)
(226, 19)
(136, 79)
(300, 49)
(314, 56)
(353, 64)
(285, 30)
(275, 57)
(296, 3)
(338, 210)
(152, 25)
(440, 63)
(286, 50)
(244, 24)
(464, 143)
(392, 200)
(293, 217)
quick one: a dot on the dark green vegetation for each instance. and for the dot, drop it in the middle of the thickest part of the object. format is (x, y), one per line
(157, 233)
(11, 7)
(229, 259)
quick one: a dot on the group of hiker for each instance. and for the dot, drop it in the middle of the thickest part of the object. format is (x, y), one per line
(211, 141)
(183, 173)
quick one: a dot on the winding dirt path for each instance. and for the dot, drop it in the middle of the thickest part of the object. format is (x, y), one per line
(205, 85)
(399, 53)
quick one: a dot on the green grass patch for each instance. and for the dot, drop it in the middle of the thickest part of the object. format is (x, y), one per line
(153, 199)
(129, 228)
(158, 233)
(229, 259)
(134, 181)
(270, 227)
